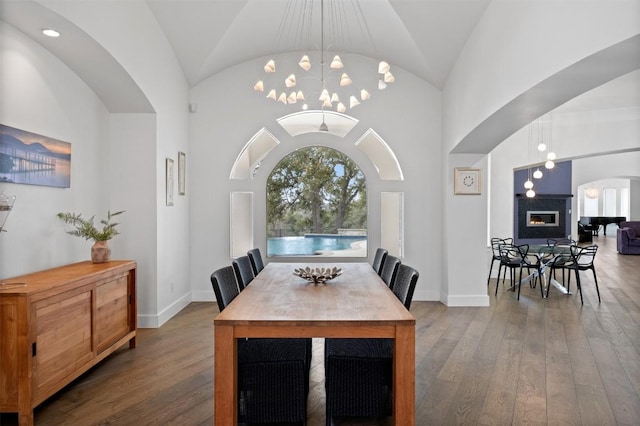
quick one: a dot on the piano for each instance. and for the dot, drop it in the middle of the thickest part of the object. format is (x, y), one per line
(594, 223)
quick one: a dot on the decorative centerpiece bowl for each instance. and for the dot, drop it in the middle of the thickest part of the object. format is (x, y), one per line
(318, 275)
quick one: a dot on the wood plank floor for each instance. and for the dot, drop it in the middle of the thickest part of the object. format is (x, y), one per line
(531, 361)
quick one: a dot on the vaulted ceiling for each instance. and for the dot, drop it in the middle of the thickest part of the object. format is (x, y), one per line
(424, 37)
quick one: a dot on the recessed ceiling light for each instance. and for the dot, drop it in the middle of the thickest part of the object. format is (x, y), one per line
(50, 33)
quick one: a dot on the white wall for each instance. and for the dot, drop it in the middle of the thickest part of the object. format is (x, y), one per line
(143, 51)
(41, 95)
(514, 47)
(229, 113)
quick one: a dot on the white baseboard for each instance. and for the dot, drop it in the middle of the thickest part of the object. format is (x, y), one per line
(155, 321)
(470, 300)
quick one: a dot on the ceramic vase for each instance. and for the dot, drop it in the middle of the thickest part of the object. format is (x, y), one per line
(100, 252)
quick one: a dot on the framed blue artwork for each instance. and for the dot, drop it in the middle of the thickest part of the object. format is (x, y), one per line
(32, 159)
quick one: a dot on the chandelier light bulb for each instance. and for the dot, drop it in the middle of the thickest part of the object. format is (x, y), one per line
(383, 67)
(537, 174)
(305, 107)
(381, 84)
(341, 108)
(528, 184)
(549, 164)
(345, 80)
(326, 103)
(324, 96)
(389, 78)
(353, 102)
(364, 95)
(551, 156)
(304, 63)
(336, 63)
(270, 66)
(300, 95)
(272, 94)
(290, 81)
(542, 147)
(259, 87)
(334, 97)
(291, 99)
(531, 193)
(282, 98)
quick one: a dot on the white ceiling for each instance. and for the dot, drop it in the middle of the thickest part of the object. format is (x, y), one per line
(424, 37)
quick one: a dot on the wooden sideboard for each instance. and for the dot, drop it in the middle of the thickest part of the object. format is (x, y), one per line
(58, 323)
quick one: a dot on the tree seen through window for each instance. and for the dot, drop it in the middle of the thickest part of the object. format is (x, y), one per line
(316, 205)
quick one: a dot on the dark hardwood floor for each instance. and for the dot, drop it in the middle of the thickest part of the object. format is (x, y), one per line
(531, 361)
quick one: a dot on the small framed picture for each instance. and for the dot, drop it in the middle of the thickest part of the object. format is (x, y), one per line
(467, 181)
(169, 181)
(182, 164)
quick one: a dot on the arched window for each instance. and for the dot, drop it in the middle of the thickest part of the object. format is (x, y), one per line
(316, 205)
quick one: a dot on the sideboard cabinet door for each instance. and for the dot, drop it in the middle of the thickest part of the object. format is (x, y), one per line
(63, 339)
(112, 311)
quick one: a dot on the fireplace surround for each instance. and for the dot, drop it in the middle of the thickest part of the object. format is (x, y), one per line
(542, 217)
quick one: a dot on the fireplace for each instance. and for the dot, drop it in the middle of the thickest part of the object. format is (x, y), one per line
(543, 218)
(540, 218)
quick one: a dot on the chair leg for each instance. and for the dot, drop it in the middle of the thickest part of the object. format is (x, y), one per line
(519, 281)
(596, 280)
(578, 284)
(491, 269)
(541, 278)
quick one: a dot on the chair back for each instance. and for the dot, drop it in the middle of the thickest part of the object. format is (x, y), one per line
(225, 286)
(244, 271)
(256, 260)
(512, 254)
(583, 257)
(405, 284)
(496, 243)
(378, 259)
(389, 270)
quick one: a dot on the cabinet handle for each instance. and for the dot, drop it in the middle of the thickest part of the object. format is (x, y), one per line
(33, 349)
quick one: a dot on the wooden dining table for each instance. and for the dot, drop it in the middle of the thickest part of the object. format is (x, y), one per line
(279, 304)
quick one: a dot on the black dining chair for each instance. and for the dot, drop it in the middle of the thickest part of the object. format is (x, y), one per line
(559, 258)
(405, 284)
(273, 374)
(582, 259)
(516, 257)
(225, 286)
(359, 372)
(244, 271)
(256, 260)
(378, 259)
(495, 255)
(389, 270)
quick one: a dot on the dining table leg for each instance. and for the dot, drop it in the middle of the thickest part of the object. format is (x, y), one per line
(404, 383)
(225, 377)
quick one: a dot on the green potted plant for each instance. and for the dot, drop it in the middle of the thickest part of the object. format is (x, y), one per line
(85, 228)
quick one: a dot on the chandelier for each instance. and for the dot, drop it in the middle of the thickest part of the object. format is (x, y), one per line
(314, 81)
